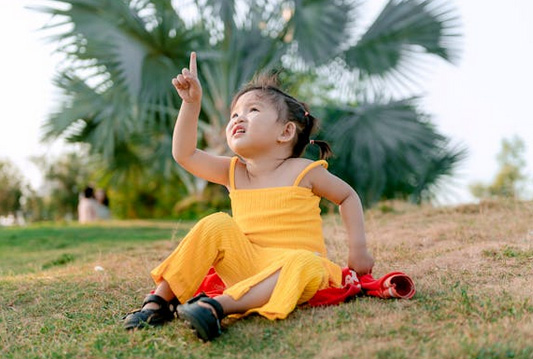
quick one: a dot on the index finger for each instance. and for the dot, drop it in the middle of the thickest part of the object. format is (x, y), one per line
(192, 64)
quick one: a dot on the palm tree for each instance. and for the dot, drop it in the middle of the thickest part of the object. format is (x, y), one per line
(121, 55)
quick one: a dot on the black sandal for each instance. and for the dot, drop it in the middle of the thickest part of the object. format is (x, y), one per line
(142, 318)
(202, 319)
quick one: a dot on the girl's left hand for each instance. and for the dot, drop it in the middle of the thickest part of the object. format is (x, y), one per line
(361, 262)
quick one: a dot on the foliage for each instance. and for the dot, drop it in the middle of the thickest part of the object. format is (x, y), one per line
(118, 97)
(388, 151)
(510, 178)
(156, 197)
(65, 177)
(11, 188)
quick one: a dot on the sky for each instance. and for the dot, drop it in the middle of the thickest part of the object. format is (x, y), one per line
(483, 99)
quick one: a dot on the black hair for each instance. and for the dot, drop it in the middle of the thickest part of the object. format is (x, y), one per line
(88, 192)
(289, 110)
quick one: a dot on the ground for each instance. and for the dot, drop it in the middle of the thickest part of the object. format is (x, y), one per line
(472, 266)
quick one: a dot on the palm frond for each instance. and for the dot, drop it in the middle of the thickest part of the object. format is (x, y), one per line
(224, 9)
(140, 52)
(320, 28)
(392, 46)
(103, 120)
(384, 149)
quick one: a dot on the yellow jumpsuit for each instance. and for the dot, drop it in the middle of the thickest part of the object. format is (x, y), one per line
(277, 228)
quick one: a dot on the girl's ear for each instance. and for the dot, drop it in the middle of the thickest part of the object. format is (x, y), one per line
(288, 133)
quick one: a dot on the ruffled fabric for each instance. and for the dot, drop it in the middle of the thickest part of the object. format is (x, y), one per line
(392, 285)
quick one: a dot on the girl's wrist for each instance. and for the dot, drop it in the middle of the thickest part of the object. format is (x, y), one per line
(358, 248)
(193, 103)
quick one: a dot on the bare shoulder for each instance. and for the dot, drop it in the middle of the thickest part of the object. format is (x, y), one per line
(299, 165)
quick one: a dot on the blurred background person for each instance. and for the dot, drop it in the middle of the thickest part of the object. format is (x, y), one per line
(102, 204)
(87, 206)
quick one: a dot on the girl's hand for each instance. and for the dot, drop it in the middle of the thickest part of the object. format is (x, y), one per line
(187, 83)
(361, 262)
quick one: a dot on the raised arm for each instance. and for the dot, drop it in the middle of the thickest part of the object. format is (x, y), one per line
(200, 163)
(329, 186)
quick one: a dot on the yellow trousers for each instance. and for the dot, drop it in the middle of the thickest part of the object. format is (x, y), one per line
(216, 241)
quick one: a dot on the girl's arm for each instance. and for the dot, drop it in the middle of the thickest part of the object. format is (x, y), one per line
(200, 163)
(329, 186)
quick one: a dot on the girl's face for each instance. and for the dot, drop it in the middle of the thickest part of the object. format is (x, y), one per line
(254, 125)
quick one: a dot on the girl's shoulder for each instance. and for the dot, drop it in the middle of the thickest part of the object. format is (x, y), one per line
(300, 162)
(303, 171)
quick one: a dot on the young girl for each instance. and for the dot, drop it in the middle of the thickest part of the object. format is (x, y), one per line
(271, 254)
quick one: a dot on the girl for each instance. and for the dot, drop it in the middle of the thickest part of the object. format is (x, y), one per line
(271, 254)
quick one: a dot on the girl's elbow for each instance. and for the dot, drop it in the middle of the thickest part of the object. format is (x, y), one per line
(350, 196)
(184, 158)
(179, 157)
(176, 155)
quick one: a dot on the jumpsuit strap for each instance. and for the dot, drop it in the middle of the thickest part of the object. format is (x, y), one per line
(322, 163)
(232, 172)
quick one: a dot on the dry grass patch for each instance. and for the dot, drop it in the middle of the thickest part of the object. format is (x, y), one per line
(472, 266)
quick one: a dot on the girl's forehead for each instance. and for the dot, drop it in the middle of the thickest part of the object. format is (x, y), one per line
(251, 96)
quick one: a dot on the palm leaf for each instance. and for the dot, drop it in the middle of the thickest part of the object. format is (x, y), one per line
(223, 9)
(404, 30)
(103, 120)
(139, 58)
(321, 28)
(383, 149)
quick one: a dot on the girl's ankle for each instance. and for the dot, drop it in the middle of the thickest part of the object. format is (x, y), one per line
(151, 305)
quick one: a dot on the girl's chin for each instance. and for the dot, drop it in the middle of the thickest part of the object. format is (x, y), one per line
(243, 151)
(237, 143)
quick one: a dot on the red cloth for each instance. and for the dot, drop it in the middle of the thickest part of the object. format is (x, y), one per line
(391, 285)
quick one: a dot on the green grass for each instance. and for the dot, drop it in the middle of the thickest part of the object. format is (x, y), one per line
(25, 250)
(472, 267)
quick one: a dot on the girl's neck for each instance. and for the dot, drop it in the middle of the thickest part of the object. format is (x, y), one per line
(259, 167)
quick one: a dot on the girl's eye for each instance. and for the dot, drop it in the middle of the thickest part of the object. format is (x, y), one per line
(253, 109)
(234, 115)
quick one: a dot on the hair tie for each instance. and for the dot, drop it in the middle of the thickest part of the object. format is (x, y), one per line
(311, 142)
(306, 114)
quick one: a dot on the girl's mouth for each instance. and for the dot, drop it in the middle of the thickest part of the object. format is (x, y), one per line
(237, 130)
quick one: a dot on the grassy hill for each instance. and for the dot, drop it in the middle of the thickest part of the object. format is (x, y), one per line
(472, 266)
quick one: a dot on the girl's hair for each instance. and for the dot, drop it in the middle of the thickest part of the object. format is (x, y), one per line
(289, 110)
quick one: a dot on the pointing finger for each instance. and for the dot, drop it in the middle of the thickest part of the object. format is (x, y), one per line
(192, 64)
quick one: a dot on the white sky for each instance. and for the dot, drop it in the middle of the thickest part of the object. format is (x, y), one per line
(484, 99)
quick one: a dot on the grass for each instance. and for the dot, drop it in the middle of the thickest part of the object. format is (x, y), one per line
(472, 266)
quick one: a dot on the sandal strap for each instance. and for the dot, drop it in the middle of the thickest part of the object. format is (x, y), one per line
(173, 304)
(205, 321)
(215, 304)
(197, 298)
(154, 298)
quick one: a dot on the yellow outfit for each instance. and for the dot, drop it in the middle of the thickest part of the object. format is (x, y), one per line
(277, 228)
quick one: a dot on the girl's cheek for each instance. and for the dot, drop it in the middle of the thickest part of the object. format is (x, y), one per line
(228, 126)
(252, 115)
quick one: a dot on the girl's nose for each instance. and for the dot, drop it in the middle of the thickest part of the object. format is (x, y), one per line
(235, 121)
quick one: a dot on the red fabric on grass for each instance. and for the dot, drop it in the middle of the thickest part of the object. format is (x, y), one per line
(391, 285)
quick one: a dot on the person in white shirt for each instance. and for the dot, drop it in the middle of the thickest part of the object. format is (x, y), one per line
(87, 206)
